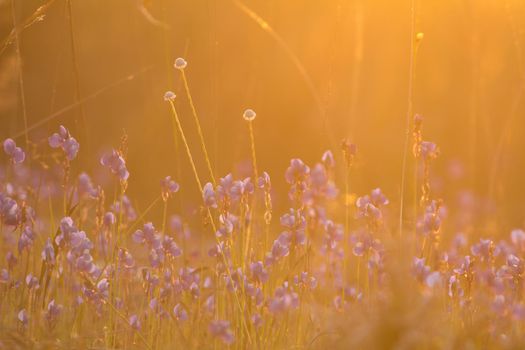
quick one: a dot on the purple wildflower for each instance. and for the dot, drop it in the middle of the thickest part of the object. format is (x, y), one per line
(369, 206)
(116, 163)
(64, 140)
(328, 159)
(15, 153)
(429, 150)
(168, 187)
(221, 329)
(134, 322)
(208, 195)
(297, 171)
(53, 311)
(180, 313)
(23, 317)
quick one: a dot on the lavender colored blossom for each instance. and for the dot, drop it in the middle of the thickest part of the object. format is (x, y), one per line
(180, 313)
(283, 300)
(334, 234)
(85, 187)
(429, 150)
(241, 188)
(16, 154)
(64, 140)
(168, 187)
(134, 322)
(10, 211)
(221, 329)
(369, 206)
(260, 274)
(4, 276)
(23, 317)
(53, 311)
(32, 282)
(116, 163)
(264, 182)
(208, 195)
(125, 205)
(297, 171)
(328, 159)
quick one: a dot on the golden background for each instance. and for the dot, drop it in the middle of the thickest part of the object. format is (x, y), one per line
(468, 84)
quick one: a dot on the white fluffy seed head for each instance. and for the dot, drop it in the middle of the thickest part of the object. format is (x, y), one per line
(249, 115)
(169, 96)
(180, 63)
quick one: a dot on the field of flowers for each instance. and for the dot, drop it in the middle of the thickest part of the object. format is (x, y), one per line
(230, 260)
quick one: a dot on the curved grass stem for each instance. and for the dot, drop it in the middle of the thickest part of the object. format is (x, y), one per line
(199, 129)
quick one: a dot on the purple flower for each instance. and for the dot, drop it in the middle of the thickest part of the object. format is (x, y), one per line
(419, 269)
(26, 239)
(280, 249)
(84, 263)
(365, 242)
(10, 212)
(432, 218)
(170, 247)
(264, 182)
(109, 219)
(221, 330)
(23, 317)
(208, 195)
(284, 299)
(483, 250)
(305, 280)
(518, 238)
(127, 209)
(53, 312)
(328, 159)
(134, 322)
(32, 282)
(125, 258)
(242, 188)
(148, 235)
(259, 273)
(16, 154)
(369, 206)
(11, 260)
(334, 234)
(209, 304)
(168, 187)
(4, 276)
(79, 242)
(297, 171)
(429, 150)
(224, 189)
(116, 163)
(67, 227)
(85, 186)
(433, 279)
(64, 140)
(180, 313)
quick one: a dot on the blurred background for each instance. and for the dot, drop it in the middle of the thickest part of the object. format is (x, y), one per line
(315, 72)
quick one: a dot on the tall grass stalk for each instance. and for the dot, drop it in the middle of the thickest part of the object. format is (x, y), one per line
(20, 72)
(198, 125)
(411, 78)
